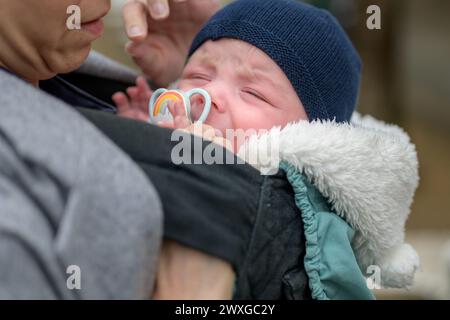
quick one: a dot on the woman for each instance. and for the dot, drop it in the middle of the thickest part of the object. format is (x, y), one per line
(77, 213)
(69, 197)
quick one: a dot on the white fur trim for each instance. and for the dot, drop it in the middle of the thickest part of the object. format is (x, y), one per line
(368, 170)
(399, 266)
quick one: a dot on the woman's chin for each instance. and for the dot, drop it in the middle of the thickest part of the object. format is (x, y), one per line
(73, 61)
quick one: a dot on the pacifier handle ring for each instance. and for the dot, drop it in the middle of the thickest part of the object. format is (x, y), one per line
(207, 106)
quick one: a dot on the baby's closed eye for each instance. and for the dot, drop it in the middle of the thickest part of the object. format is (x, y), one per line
(256, 97)
(255, 94)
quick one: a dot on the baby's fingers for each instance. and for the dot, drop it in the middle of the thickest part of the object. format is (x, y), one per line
(121, 101)
(166, 124)
(144, 90)
(176, 109)
(133, 94)
(181, 122)
(142, 84)
(180, 119)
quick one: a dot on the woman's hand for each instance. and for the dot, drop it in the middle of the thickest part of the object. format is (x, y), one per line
(159, 41)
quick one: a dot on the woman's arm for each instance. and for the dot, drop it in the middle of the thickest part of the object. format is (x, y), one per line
(188, 274)
(69, 197)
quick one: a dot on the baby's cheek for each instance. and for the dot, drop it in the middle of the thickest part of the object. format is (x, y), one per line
(258, 121)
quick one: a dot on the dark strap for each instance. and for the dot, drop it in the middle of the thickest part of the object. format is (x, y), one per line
(207, 207)
(73, 95)
(229, 211)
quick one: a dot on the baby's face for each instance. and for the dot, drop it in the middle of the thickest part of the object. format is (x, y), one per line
(248, 89)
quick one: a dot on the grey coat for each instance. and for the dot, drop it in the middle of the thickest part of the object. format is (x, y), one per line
(78, 219)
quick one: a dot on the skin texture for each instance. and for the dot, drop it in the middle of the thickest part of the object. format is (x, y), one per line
(36, 45)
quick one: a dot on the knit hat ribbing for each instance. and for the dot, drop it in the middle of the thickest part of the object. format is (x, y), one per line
(307, 43)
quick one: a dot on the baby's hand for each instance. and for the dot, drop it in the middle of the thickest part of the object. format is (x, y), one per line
(182, 122)
(135, 105)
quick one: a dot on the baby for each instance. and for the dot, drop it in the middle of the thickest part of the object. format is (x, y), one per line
(281, 65)
(264, 64)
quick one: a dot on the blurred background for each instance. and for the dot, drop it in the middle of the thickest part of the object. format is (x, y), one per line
(406, 81)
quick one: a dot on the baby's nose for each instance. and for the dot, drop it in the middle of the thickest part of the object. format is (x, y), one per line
(220, 94)
(217, 101)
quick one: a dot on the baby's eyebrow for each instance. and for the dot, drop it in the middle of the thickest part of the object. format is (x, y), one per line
(256, 74)
(208, 61)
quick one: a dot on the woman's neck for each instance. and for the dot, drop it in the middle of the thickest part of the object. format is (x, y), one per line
(10, 50)
(32, 82)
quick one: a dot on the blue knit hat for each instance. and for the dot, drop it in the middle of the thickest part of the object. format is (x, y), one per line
(306, 42)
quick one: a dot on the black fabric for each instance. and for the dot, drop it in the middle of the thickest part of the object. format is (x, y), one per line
(101, 88)
(274, 266)
(208, 207)
(229, 211)
(73, 95)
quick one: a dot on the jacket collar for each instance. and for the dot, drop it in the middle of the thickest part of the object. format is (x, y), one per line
(368, 171)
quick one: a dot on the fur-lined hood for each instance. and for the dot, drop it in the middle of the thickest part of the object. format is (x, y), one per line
(368, 171)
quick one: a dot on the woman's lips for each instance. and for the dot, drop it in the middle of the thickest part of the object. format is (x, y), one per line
(95, 27)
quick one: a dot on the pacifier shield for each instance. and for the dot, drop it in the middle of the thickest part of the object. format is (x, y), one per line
(199, 111)
(160, 109)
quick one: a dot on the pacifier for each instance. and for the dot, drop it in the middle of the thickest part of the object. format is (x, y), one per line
(158, 105)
